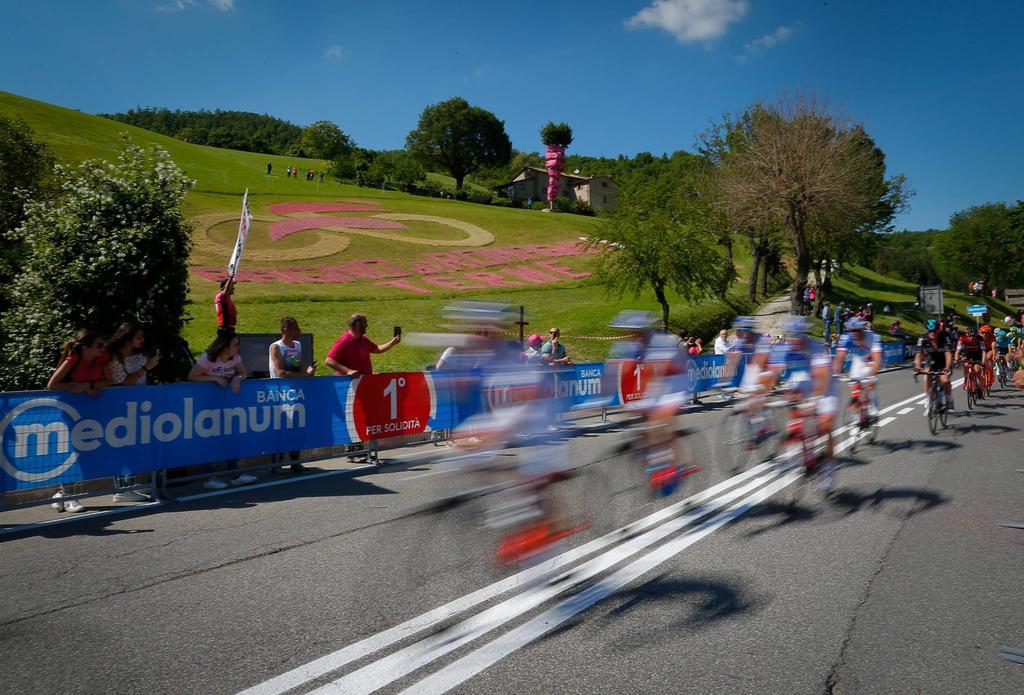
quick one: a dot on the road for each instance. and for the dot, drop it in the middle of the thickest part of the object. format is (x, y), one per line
(901, 582)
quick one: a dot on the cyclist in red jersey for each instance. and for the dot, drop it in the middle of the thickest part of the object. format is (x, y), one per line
(970, 349)
(988, 338)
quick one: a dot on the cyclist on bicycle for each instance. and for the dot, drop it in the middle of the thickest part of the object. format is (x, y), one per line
(1003, 343)
(970, 350)
(751, 350)
(865, 349)
(934, 349)
(989, 354)
(808, 368)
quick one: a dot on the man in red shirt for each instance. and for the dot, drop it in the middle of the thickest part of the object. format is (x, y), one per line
(227, 316)
(350, 354)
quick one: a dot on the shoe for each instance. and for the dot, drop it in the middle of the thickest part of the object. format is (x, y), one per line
(215, 483)
(73, 506)
(130, 496)
(244, 479)
(298, 468)
(59, 506)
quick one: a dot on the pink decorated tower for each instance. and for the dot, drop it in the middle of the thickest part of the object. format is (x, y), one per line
(557, 137)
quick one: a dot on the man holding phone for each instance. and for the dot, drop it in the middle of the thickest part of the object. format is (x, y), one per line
(350, 354)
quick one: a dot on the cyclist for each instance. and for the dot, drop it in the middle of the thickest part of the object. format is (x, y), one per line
(970, 349)
(865, 349)
(808, 368)
(988, 354)
(752, 351)
(1003, 343)
(935, 349)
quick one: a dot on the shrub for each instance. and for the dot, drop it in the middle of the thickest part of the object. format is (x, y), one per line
(563, 204)
(556, 134)
(111, 245)
(431, 188)
(461, 194)
(582, 207)
(481, 197)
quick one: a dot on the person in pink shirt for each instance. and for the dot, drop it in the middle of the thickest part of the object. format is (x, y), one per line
(350, 354)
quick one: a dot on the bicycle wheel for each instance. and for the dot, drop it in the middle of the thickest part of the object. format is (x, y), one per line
(853, 420)
(943, 400)
(933, 415)
(738, 448)
(969, 388)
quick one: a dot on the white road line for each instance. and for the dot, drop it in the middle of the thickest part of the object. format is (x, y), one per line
(887, 420)
(484, 657)
(335, 660)
(394, 666)
(904, 411)
(369, 645)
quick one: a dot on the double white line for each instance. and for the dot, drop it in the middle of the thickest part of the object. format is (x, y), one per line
(736, 495)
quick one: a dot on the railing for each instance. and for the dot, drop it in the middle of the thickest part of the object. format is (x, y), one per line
(52, 439)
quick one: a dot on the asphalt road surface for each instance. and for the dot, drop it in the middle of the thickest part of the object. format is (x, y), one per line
(899, 582)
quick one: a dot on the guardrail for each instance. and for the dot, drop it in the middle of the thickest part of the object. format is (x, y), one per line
(54, 439)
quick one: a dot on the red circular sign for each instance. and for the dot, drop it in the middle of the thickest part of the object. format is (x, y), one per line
(391, 405)
(635, 378)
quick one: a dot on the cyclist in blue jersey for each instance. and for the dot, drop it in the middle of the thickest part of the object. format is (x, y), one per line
(807, 365)
(1003, 342)
(751, 351)
(865, 349)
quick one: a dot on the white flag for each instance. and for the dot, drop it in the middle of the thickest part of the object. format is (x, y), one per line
(243, 234)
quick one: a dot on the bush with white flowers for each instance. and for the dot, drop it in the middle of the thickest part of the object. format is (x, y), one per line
(111, 245)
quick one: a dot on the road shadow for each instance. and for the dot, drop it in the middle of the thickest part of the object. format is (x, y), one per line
(961, 428)
(925, 445)
(784, 513)
(682, 604)
(852, 501)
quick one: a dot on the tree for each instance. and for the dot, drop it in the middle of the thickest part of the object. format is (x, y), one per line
(324, 140)
(25, 171)
(795, 167)
(982, 243)
(111, 245)
(397, 168)
(643, 245)
(460, 138)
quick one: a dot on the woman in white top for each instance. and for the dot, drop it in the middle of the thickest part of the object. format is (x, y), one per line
(222, 365)
(129, 365)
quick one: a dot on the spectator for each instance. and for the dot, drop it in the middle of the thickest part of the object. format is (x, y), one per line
(532, 355)
(321, 177)
(807, 296)
(222, 365)
(350, 354)
(869, 314)
(553, 351)
(693, 346)
(82, 366)
(227, 315)
(270, 168)
(128, 364)
(286, 363)
(722, 342)
(887, 308)
(81, 370)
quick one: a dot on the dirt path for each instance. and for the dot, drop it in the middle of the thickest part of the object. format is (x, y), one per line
(772, 316)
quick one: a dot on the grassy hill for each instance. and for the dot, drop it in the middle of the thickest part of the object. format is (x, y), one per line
(321, 276)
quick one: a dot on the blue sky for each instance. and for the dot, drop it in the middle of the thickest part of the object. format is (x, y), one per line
(936, 83)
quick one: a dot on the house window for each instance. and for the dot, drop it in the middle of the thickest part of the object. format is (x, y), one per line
(604, 199)
(604, 184)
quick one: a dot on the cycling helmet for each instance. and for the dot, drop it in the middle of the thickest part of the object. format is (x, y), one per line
(473, 315)
(744, 323)
(1000, 332)
(931, 325)
(856, 324)
(797, 325)
(971, 331)
(634, 320)
(985, 328)
(1009, 320)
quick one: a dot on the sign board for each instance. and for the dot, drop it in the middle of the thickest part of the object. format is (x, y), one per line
(931, 299)
(977, 310)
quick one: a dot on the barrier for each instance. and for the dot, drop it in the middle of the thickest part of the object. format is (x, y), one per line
(56, 438)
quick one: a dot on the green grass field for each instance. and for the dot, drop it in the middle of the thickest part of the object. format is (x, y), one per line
(578, 306)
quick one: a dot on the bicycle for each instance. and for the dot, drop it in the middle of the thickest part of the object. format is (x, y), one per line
(938, 401)
(859, 416)
(801, 433)
(1002, 369)
(752, 437)
(972, 383)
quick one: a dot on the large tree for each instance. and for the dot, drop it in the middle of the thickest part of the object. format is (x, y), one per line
(460, 138)
(111, 244)
(795, 167)
(325, 140)
(650, 243)
(982, 243)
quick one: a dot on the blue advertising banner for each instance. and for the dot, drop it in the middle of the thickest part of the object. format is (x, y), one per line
(708, 372)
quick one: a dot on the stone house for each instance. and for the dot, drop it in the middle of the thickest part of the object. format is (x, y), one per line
(600, 192)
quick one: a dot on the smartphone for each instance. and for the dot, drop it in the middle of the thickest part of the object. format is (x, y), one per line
(398, 331)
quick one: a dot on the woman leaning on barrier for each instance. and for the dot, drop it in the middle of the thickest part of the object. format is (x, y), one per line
(222, 365)
(129, 365)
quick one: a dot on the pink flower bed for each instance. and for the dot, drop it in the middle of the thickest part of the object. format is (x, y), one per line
(282, 228)
(359, 202)
(286, 208)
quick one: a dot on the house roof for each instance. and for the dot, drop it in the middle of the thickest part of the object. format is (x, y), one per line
(577, 179)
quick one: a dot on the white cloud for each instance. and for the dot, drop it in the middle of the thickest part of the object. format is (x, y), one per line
(690, 20)
(179, 5)
(332, 53)
(770, 40)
